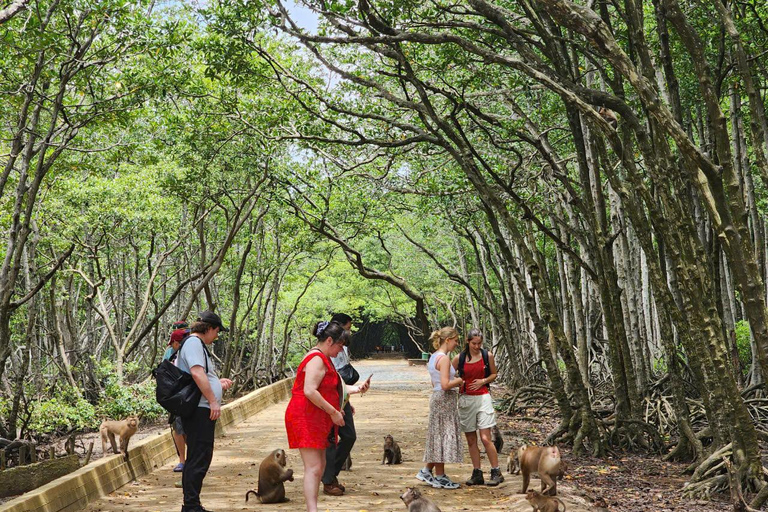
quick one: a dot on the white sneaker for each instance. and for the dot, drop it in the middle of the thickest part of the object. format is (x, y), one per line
(426, 477)
(445, 482)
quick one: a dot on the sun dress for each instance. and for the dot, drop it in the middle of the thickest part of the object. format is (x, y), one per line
(444, 440)
(306, 424)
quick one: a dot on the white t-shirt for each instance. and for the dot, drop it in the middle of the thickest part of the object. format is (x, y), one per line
(342, 359)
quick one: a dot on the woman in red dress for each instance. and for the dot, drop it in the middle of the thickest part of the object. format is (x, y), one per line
(315, 406)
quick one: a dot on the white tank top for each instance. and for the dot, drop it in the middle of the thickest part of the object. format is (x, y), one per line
(434, 373)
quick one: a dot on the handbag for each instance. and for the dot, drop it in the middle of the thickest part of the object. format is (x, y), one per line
(176, 390)
(348, 374)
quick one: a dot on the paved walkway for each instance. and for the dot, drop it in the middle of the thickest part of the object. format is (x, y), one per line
(397, 404)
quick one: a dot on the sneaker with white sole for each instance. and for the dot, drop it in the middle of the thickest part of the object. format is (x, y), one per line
(446, 483)
(427, 478)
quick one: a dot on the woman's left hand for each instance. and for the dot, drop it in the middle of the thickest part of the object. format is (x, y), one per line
(225, 384)
(475, 385)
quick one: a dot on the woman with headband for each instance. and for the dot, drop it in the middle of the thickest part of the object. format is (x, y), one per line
(315, 406)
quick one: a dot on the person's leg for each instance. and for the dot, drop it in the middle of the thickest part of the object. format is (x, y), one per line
(314, 465)
(490, 449)
(486, 420)
(200, 434)
(474, 454)
(330, 459)
(439, 468)
(474, 451)
(179, 439)
(347, 438)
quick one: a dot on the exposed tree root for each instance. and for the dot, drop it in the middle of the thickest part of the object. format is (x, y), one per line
(635, 435)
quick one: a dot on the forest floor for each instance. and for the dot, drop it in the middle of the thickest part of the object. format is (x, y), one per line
(631, 482)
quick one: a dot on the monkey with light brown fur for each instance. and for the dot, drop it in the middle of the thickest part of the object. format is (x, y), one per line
(123, 428)
(416, 502)
(513, 460)
(542, 503)
(272, 474)
(544, 460)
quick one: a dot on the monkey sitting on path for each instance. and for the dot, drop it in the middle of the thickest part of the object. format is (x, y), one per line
(544, 460)
(542, 503)
(124, 429)
(513, 460)
(272, 474)
(392, 453)
(416, 502)
(498, 440)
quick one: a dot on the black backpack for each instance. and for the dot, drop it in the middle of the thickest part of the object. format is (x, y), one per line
(462, 360)
(177, 391)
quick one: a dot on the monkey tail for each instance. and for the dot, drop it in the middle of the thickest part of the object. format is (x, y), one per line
(256, 493)
(558, 499)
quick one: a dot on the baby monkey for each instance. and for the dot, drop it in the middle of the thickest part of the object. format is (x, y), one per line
(416, 502)
(123, 429)
(392, 453)
(543, 503)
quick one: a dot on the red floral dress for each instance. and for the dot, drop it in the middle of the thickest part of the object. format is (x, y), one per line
(306, 424)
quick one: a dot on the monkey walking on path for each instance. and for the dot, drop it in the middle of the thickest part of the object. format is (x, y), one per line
(272, 474)
(123, 428)
(542, 503)
(416, 502)
(544, 460)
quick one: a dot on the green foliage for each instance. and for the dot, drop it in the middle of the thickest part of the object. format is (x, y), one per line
(65, 412)
(743, 343)
(121, 400)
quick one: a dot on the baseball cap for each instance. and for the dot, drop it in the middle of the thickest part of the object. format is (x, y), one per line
(178, 335)
(213, 319)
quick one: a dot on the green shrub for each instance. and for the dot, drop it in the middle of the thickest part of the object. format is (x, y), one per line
(63, 413)
(119, 401)
(743, 344)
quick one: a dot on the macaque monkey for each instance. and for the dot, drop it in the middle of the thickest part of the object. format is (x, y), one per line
(609, 117)
(124, 428)
(542, 503)
(544, 460)
(392, 453)
(513, 460)
(498, 440)
(347, 466)
(416, 502)
(272, 474)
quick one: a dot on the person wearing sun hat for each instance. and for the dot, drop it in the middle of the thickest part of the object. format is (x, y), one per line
(195, 359)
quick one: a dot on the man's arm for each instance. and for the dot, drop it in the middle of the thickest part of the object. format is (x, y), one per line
(201, 379)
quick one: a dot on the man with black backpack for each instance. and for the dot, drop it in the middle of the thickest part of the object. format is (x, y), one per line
(194, 358)
(477, 367)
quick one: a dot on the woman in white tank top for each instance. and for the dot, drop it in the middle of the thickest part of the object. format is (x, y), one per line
(444, 443)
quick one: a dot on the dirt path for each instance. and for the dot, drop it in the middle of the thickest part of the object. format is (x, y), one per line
(398, 404)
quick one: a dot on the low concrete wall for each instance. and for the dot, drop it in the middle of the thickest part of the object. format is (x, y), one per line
(99, 478)
(21, 479)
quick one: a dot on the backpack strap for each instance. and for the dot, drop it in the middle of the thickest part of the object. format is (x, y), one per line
(181, 345)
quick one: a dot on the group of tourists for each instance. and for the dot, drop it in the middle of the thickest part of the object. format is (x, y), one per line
(319, 418)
